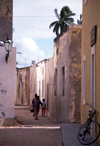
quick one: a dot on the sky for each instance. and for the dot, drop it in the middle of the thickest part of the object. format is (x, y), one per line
(32, 36)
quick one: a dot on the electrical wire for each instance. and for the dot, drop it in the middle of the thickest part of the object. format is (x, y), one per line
(41, 16)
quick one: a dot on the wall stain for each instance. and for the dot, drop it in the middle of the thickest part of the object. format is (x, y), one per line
(3, 91)
(3, 114)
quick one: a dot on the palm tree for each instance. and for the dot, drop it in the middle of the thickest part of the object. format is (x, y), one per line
(64, 19)
(80, 21)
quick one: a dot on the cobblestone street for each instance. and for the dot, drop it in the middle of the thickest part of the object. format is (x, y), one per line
(30, 132)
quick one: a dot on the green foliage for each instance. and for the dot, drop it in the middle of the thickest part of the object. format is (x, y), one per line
(64, 19)
(16, 63)
(80, 21)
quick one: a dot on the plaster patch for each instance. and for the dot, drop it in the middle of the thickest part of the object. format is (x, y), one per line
(76, 65)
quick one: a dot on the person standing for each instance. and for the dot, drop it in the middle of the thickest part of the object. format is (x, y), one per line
(33, 104)
(43, 107)
(37, 102)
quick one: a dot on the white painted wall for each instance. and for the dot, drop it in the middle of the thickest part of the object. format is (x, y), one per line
(7, 83)
(41, 78)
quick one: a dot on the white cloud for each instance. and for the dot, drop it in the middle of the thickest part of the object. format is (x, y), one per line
(29, 51)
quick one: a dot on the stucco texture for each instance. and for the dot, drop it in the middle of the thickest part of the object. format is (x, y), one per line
(90, 18)
(67, 56)
(7, 81)
(6, 13)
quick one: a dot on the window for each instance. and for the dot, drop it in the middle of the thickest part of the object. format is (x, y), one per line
(93, 75)
(63, 81)
(84, 77)
(57, 51)
(55, 82)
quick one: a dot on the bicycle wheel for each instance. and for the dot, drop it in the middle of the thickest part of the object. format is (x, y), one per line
(86, 134)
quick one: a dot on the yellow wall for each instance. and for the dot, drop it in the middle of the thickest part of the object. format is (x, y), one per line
(91, 17)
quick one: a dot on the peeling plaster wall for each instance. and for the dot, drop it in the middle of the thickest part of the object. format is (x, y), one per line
(67, 55)
(23, 86)
(6, 12)
(75, 74)
(7, 83)
(33, 85)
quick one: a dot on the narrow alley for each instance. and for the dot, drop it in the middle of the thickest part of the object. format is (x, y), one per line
(30, 132)
(24, 130)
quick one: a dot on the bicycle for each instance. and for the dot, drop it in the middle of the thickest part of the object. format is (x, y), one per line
(86, 134)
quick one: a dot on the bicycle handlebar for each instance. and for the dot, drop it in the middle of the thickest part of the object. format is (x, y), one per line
(90, 104)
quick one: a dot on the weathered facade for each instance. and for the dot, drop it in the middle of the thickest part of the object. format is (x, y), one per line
(90, 58)
(49, 85)
(67, 76)
(57, 79)
(45, 76)
(36, 79)
(7, 83)
(33, 85)
(6, 27)
(7, 70)
(23, 86)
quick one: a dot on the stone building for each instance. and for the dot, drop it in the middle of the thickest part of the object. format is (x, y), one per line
(6, 12)
(67, 76)
(23, 86)
(45, 81)
(33, 85)
(7, 83)
(7, 69)
(57, 79)
(36, 79)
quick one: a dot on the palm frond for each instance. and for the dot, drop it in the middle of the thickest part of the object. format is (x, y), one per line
(52, 24)
(70, 14)
(56, 13)
(71, 20)
(80, 16)
(56, 29)
(66, 9)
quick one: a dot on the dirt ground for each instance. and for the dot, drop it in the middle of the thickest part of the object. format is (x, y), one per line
(30, 132)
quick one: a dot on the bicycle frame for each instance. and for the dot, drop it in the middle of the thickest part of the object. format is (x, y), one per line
(88, 129)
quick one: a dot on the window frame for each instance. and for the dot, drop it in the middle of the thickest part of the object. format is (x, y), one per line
(93, 80)
(84, 78)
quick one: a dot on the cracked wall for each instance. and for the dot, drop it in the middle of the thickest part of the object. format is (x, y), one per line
(67, 56)
(23, 86)
(6, 16)
(74, 75)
